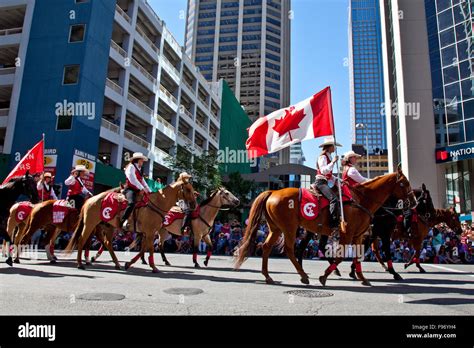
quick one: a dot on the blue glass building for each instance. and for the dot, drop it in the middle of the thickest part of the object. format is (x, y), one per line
(366, 75)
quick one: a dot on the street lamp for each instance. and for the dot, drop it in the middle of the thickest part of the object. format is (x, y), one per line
(363, 126)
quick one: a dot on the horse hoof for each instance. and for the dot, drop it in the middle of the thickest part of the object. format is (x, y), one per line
(305, 281)
(385, 267)
(127, 265)
(353, 275)
(88, 263)
(422, 270)
(9, 262)
(366, 282)
(81, 267)
(196, 265)
(155, 270)
(92, 259)
(55, 258)
(167, 263)
(269, 281)
(397, 276)
(16, 261)
(322, 280)
(406, 265)
(206, 263)
(144, 262)
(117, 267)
(337, 272)
(53, 261)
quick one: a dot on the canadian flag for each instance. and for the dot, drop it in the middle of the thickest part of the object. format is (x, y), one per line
(33, 163)
(309, 119)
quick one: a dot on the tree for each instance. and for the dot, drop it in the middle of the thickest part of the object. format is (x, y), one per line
(241, 188)
(203, 168)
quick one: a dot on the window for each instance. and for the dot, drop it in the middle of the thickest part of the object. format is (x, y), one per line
(76, 33)
(71, 75)
(81, 1)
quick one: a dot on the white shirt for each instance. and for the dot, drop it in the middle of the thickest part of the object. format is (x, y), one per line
(72, 180)
(325, 168)
(354, 174)
(132, 177)
(39, 186)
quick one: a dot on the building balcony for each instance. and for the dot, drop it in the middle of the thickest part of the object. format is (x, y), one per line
(113, 86)
(7, 76)
(183, 110)
(214, 138)
(171, 69)
(123, 14)
(168, 97)
(161, 156)
(144, 108)
(4, 112)
(5, 32)
(137, 140)
(110, 126)
(153, 13)
(198, 148)
(116, 47)
(188, 85)
(165, 127)
(145, 73)
(201, 125)
(150, 43)
(10, 37)
(185, 139)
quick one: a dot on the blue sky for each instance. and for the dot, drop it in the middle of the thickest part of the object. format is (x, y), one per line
(319, 48)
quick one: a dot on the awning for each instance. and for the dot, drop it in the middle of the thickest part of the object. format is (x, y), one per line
(109, 176)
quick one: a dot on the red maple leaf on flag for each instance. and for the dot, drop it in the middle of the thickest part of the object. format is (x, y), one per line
(289, 122)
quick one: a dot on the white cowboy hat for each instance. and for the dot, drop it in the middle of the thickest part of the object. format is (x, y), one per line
(139, 155)
(47, 175)
(80, 168)
(350, 154)
(329, 141)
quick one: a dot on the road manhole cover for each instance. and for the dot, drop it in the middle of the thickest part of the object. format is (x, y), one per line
(100, 296)
(183, 291)
(309, 293)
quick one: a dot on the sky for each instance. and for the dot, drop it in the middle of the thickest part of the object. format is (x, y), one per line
(319, 51)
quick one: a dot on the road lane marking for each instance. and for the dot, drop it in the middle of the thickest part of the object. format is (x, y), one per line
(449, 269)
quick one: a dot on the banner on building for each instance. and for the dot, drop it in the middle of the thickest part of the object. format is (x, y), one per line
(89, 161)
(50, 161)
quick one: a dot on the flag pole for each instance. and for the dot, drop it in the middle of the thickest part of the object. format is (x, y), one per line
(42, 191)
(343, 221)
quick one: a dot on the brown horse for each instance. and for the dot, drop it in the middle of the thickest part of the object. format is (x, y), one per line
(202, 225)
(146, 219)
(422, 228)
(281, 209)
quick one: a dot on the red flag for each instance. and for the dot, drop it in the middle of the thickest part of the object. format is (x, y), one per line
(33, 162)
(309, 119)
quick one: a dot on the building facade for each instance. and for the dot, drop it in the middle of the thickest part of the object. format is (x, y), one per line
(247, 43)
(449, 25)
(407, 87)
(366, 78)
(111, 81)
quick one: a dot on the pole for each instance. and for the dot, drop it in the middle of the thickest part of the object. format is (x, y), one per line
(367, 149)
(343, 221)
(42, 190)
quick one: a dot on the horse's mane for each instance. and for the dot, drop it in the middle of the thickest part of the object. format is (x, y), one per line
(11, 183)
(211, 196)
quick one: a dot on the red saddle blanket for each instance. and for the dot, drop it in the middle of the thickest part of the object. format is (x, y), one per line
(311, 205)
(61, 209)
(174, 215)
(111, 205)
(23, 211)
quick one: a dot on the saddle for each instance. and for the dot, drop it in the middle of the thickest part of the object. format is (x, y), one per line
(176, 213)
(312, 201)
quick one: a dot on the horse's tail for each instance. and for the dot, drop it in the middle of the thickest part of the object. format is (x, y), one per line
(77, 233)
(248, 242)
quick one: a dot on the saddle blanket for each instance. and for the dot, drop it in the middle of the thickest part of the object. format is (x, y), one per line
(23, 211)
(177, 213)
(311, 205)
(61, 209)
(111, 205)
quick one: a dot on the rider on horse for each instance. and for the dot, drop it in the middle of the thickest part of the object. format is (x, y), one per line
(325, 179)
(77, 190)
(135, 184)
(187, 210)
(350, 174)
(45, 187)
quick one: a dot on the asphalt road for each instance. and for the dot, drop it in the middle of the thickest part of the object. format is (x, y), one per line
(40, 288)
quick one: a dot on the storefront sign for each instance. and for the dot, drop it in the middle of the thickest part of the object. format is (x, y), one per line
(88, 161)
(455, 153)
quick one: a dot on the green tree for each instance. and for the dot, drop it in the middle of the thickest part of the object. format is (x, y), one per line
(243, 189)
(203, 168)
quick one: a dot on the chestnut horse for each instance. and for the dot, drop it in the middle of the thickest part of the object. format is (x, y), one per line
(202, 225)
(281, 209)
(148, 219)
